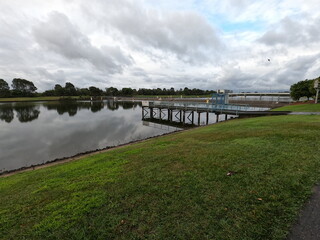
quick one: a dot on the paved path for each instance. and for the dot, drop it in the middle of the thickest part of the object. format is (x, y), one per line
(304, 113)
(307, 226)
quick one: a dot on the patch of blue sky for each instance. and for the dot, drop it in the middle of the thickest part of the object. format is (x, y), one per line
(223, 24)
(219, 21)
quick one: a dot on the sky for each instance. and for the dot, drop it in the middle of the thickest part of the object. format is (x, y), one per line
(243, 45)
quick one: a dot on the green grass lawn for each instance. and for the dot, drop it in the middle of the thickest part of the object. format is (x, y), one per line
(174, 187)
(300, 108)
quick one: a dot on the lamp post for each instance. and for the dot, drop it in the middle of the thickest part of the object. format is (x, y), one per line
(316, 86)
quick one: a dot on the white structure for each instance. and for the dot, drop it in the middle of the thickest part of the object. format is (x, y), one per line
(316, 86)
(224, 91)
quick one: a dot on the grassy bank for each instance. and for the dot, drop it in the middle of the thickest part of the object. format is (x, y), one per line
(300, 108)
(173, 187)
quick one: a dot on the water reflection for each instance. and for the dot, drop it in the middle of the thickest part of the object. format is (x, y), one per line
(24, 113)
(58, 129)
(27, 112)
(6, 113)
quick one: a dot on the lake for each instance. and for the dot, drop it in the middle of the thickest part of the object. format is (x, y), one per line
(36, 132)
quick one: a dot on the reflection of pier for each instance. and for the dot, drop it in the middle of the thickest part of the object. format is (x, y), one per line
(164, 124)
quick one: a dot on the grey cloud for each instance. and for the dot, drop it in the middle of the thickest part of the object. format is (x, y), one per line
(292, 32)
(59, 35)
(58, 75)
(232, 77)
(186, 35)
(296, 69)
(280, 78)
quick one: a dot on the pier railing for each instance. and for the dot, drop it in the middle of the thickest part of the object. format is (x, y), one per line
(196, 106)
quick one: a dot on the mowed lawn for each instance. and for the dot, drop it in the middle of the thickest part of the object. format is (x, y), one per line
(174, 187)
(310, 107)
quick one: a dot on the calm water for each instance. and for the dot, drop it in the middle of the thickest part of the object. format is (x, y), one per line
(34, 133)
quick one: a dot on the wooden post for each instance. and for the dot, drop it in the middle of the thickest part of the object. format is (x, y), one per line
(226, 117)
(217, 118)
(192, 117)
(199, 113)
(207, 118)
(168, 114)
(180, 120)
(151, 113)
(184, 116)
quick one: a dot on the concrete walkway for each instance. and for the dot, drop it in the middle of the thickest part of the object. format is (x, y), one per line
(304, 113)
(307, 226)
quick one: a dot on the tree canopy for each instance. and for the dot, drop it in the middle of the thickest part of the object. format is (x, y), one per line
(22, 87)
(4, 88)
(303, 89)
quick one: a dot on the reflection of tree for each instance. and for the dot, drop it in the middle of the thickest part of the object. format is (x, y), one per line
(97, 106)
(27, 113)
(112, 105)
(6, 113)
(70, 108)
(128, 105)
(73, 107)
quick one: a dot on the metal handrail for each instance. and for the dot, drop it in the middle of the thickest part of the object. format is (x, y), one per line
(204, 106)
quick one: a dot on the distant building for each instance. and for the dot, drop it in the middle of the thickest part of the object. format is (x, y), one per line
(224, 91)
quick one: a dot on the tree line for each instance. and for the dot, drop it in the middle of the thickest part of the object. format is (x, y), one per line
(303, 88)
(25, 88)
(20, 88)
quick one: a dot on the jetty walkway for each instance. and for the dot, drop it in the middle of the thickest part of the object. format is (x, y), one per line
(183, 111)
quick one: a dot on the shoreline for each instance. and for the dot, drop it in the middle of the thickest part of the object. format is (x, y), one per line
(93, 152)
(78, 156)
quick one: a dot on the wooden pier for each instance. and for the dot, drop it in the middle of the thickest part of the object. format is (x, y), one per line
(190, 113)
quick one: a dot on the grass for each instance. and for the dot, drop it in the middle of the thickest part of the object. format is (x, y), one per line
(300, 108)
(174, 187)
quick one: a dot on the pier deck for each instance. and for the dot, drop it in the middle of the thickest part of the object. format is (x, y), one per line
(183, 111)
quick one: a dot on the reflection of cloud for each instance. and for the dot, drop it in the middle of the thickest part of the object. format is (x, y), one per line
(56, 136)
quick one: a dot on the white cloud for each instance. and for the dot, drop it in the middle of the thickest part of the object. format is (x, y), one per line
(148, 43)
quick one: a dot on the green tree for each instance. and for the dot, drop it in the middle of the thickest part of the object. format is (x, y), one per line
(22, 87)
(48, 93)
(127, 91)
(58, 90)
(112, 91)
(70, 89)
(84, 92)
(4, 88)
(94, 91)
(302, 89)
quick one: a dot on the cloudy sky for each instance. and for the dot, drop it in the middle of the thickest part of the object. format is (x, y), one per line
(207, 44)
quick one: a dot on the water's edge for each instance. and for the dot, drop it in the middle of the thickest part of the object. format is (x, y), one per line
(78, 156)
